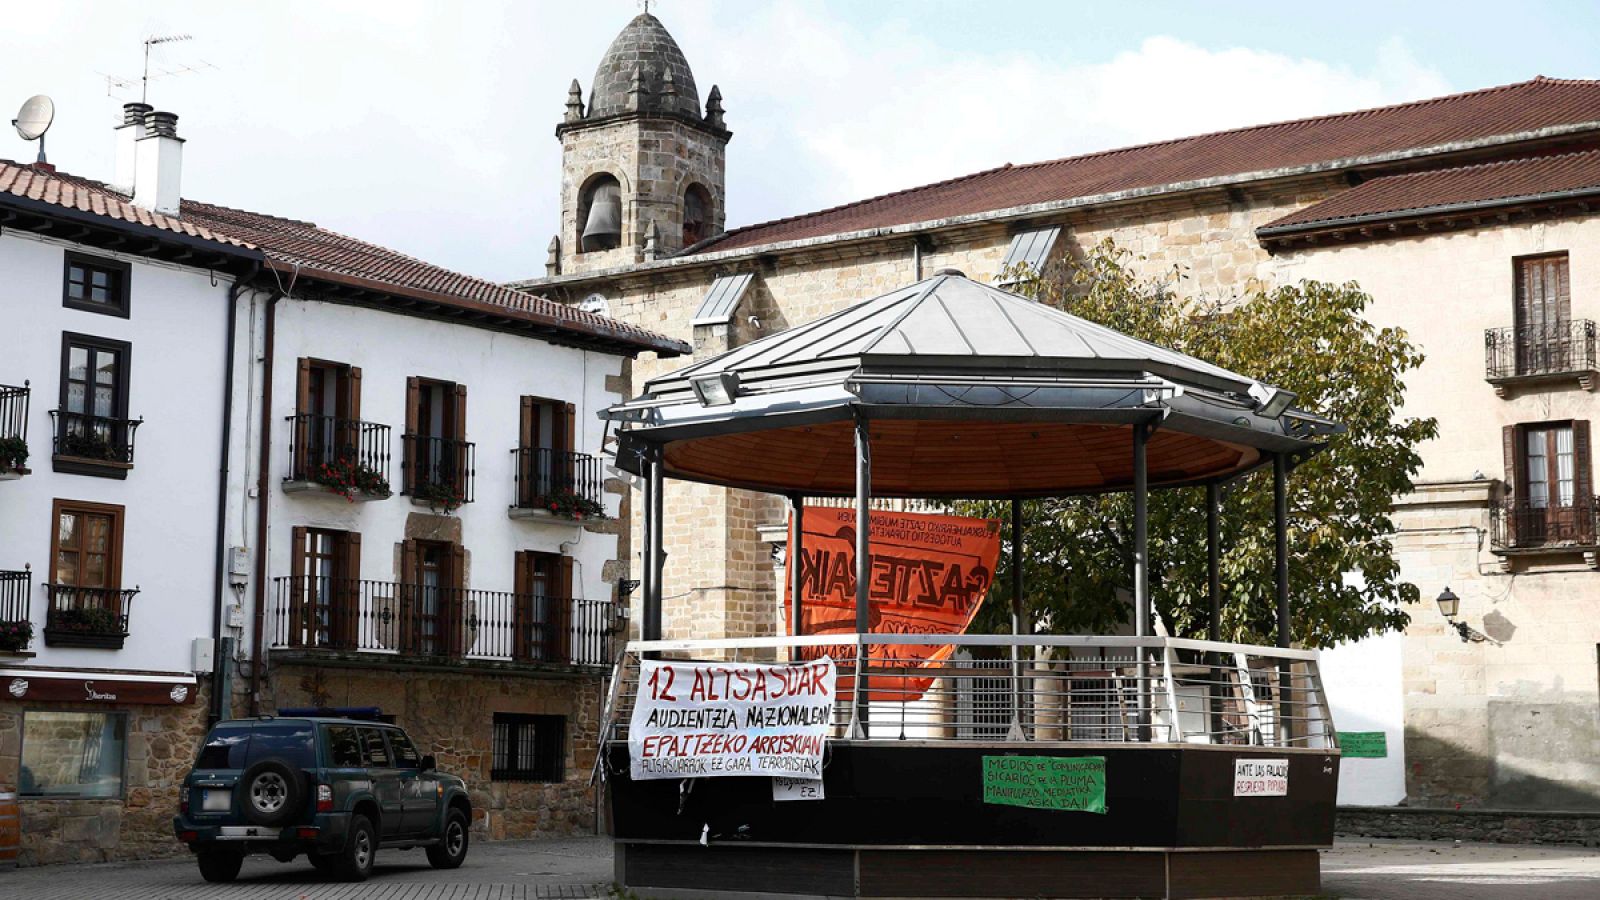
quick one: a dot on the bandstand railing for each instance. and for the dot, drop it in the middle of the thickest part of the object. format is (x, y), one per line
(1060, 689)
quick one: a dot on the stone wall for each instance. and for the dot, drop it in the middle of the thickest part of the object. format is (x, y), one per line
(1493, 825)
(162, 742)
(451, 715)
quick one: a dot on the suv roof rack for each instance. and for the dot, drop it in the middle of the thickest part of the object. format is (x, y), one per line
(362, 713)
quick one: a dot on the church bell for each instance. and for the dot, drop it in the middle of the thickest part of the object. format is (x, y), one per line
(603, 230)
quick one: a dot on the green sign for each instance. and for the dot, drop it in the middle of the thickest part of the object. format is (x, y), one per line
(1046, 782)
(1364, 744)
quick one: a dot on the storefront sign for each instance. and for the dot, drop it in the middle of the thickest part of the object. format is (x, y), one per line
(1364, 744)
(704, 720)
(24, 684)
(930, 574)
(1260, 777)
(1076, 783)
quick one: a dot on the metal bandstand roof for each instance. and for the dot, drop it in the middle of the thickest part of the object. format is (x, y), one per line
(970, 391)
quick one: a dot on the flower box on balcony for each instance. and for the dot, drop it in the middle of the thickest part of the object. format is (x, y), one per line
(83, 617)
(13, 457)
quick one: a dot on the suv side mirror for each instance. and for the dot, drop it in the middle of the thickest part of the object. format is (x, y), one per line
(428, 763)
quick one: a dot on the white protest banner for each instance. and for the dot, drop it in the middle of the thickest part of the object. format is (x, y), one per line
(1261, 778)
(703, 720)
(796, 789)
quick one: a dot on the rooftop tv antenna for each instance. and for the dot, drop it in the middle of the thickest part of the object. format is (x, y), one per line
(34, 120)
(151, 41)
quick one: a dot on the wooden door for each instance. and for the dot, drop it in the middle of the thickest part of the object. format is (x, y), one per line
(1544, 315)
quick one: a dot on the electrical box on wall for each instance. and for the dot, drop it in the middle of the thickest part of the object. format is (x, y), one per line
(205, 655)
(239, 565)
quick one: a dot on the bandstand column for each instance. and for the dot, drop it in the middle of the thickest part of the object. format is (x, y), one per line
(792, 560)
(1016, 732)
(654, 555)
(1214, 559)
(1280, 527)
(863, 567)
(1141, 571)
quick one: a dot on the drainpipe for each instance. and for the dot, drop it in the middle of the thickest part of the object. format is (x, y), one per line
(219, 702)
(258, 625)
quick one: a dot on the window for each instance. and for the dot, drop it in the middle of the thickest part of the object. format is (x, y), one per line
(374, 753)
(545, 445)
(432, 619)
(72, 754)
(438, 458)
(96, 285)
(91, 422)
(696, 215)
(344, 746)
(528, 748)
(405, 752)
(1545, 342)
(1548, 472)
(600, 215)
(87, 545)
(327, 424)
(542, 585)
(324, 588)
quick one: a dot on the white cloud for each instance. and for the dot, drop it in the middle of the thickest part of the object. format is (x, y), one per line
(428, 127)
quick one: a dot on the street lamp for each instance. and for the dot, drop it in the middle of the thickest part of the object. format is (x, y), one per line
(1449, 605)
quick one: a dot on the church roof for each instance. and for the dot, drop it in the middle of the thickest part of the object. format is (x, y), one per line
(646, 47)
(1540, 107)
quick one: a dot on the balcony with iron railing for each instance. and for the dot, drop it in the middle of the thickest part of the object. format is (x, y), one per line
(16, 619)
(1519, 526)
(557, 484)
(440, 473)
(91, 617)
(14, 430)
(93, 445)
(403, 623)
(346, 457)
(1540, 353)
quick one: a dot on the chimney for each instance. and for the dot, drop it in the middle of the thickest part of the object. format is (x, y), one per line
(128, 135)
(158, 167)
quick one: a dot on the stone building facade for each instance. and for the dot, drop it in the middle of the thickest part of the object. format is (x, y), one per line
(1202, 207)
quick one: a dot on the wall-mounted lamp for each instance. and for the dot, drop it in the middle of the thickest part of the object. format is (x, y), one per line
(720, 389)
(627, 586)
(1271, 402)
(1449, 605)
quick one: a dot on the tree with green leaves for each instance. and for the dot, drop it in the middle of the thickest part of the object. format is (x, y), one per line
(1310, 338)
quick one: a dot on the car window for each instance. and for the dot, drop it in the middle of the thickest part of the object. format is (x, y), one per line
(289, 741)
(373, 751)
(405, 753)
(225, 748)
(344, 746)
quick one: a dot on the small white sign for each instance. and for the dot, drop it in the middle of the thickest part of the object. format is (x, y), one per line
(796, 789)
(1261, 778)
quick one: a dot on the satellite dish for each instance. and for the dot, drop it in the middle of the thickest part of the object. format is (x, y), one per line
(34, 120)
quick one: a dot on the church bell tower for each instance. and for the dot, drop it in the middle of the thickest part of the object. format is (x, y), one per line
(642, 163)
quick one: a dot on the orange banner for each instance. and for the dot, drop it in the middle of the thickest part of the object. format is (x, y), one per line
(929, 575)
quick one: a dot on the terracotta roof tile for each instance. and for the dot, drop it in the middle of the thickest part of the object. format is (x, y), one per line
(1511, 109)
(1418, 193)
(292, 243)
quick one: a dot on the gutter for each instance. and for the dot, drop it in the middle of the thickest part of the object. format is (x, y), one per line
(220, 704)
(103, 222)
(714, 258)
(1428, 212)
(263, 500)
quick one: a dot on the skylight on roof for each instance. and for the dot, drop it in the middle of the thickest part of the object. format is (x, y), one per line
(720, 302)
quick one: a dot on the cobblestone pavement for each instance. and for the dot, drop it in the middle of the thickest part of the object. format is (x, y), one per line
(581, 868)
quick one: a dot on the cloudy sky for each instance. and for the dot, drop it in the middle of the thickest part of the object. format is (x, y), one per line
(428, 126)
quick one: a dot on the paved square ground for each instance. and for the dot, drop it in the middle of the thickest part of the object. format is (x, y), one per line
(581, 868)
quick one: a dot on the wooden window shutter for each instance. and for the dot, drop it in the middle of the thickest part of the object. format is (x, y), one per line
(462, 636)
(347, 593)
(407, 590)
(460, 432)
(458, 566)
(561, 611)
(295, 627)
(355, 393)
(570, 432)
(1582, 475)
(522, 606)
(1511, 445)
(528, 431)
(300, 436)
(409, 448)
(302, 386)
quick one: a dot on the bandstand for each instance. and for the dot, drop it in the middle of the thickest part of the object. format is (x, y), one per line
(1214, 764)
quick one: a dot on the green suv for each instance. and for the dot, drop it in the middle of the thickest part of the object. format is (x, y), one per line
(335, 789)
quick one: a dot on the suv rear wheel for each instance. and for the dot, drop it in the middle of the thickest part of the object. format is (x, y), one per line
(274, 792)
(354, 862)
(219, 864)
(452, 847)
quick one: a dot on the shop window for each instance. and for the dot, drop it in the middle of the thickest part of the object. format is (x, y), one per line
(72, 754)
(528, 748)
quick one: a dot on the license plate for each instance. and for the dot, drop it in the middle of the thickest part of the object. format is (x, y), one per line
(246, 832)
(216, 801)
